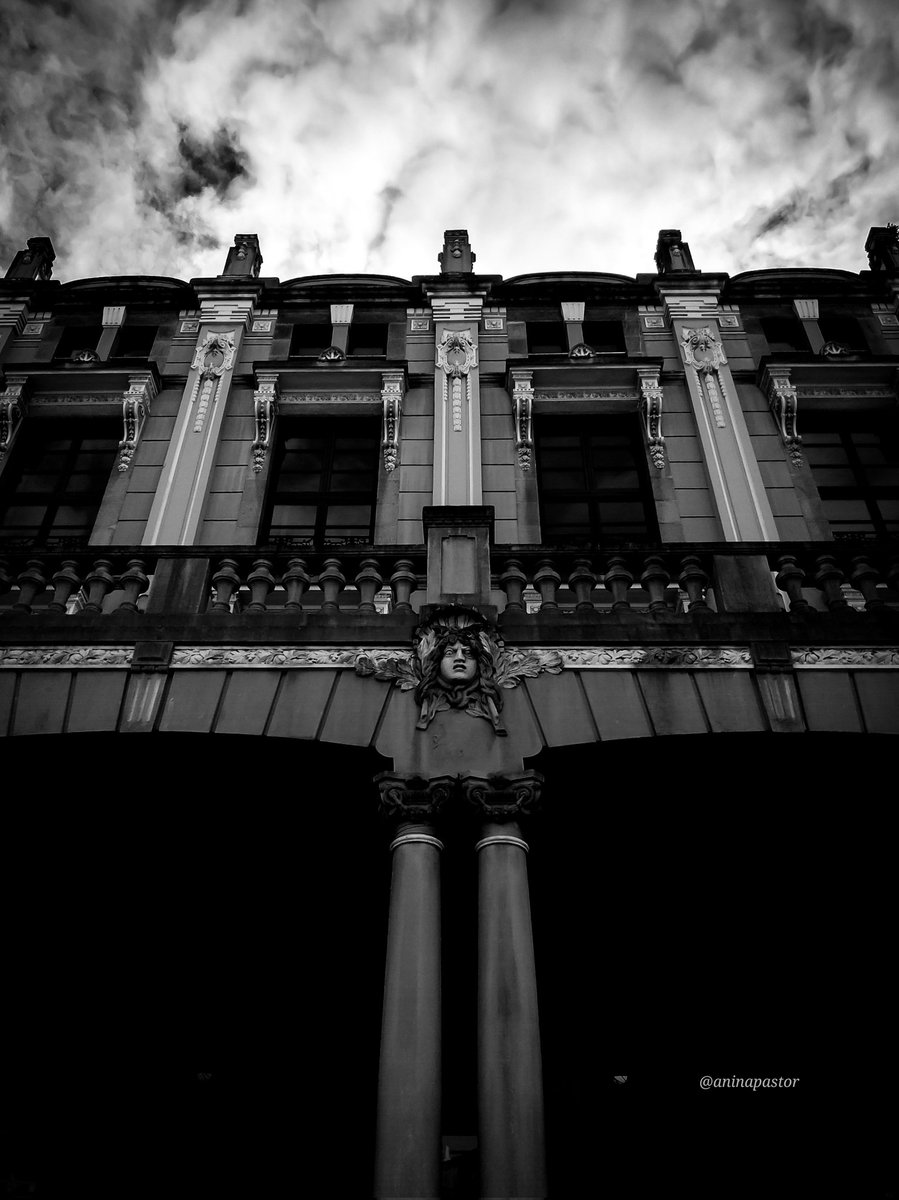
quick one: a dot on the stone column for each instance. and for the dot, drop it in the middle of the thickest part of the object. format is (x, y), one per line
(510, 1069)
(408, 1137)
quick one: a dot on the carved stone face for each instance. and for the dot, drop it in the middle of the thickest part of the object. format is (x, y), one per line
(458, 664)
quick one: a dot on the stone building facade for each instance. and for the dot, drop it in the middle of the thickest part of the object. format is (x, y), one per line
(477, 589)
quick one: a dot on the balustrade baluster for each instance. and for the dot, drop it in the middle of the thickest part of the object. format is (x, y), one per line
(260, 582)
(226, 582)
(618, 580)
(694, 579)
(133, 582)
(829, 577)
(331, 580)
(6, 580)
(99, 582)
(31, 581)
(65, 581)
(513, 581)
(546, 581)
(789, 579)
(582, 581)
(403, 583)
(296, 582)
(655, 579)
(865, 576)
(368, 580)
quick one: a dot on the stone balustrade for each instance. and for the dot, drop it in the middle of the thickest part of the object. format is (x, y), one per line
(841, 581)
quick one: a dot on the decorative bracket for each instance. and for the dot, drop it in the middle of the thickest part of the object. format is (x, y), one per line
(704, 353)
(265, 410)
(392, 383)
(783, 399)
(136, 403)
(522, 413)
(456, 354)
(651, 407)
(212, 358)
(12, 407)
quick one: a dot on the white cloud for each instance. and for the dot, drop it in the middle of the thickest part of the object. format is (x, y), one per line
(562, 136)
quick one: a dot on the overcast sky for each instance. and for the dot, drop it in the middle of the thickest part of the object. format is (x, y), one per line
(141, 135)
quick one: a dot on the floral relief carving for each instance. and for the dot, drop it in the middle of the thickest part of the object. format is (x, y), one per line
(212, 358)
(456, 355)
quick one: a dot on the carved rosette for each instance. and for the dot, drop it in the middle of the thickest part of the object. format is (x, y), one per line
(411, 798)
(522, 414)
(392, 406)
(265, 410)
(503, 797)
(456, 355)
(704, 353)
(12, 407)
(783, 398)
(651, 408)
(212, 358)
(136, 403)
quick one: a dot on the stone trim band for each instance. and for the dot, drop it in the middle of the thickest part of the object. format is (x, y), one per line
(416, 837)
(502, 839)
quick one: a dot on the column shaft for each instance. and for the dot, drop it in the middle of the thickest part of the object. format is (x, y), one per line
(510, 1073)
(407, 1158)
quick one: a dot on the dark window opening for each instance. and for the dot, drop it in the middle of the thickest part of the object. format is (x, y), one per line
(547, 337)
(77, 337)
(55, 481)
(593, 482)
(784, 334)
(134, 341)
(605, 337)
(325, 482)
(312, 335)
(368, 339)
(845, 330)
(855, 464)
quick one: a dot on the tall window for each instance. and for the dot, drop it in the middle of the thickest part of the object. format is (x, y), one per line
(855, 463)
(54, 483)
(325, 481)
(593, 483)
(547, 337)
(312, 333)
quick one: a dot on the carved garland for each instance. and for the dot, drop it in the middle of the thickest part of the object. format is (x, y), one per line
(212, 358)
(456, 355)
(265, 410)
(392, 402)
(523, 408)
(703, 352)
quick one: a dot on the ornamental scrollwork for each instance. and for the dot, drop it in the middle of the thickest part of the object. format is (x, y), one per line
(703, 352)
(456, 355)
(651, 407)
(392, 407)
(522, 415)
(783, 398)
(135, 409)
(458, 663)
(212, 358)
(265, 410)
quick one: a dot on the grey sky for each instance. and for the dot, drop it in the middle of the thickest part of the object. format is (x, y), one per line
(141, 135)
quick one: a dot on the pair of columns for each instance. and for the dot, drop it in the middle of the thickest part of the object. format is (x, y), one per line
(510, 1073)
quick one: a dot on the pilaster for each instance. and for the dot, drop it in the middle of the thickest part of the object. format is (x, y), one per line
(743, 507)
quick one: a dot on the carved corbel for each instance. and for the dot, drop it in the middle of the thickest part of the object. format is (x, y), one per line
(212, 358)
(783, 399)
(392, 385)
(12, 409)
(651, 408)
(265, 411)
(522, 413)
(136, 403)
(503, 797)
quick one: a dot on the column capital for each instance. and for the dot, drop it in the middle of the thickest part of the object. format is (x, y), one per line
(503, 797)
(413, 798)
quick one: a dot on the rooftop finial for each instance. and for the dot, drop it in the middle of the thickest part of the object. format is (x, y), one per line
(457, 256)
(672, 254)
(244, 257)
(34, 263)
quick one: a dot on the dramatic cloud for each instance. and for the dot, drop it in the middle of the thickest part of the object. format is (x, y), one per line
(141, 135)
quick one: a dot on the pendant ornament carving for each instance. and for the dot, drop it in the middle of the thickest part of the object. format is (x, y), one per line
(456, 355)
(783, 398)
(212, 358)
(265, 411)
(458, 662)
(522, 412)
(703, 352)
